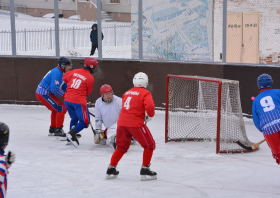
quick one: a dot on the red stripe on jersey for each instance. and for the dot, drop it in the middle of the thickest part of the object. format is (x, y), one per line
(85, 114)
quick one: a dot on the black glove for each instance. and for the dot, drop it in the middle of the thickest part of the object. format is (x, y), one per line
(10, 158)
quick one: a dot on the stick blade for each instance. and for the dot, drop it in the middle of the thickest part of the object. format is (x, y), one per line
(243, 146)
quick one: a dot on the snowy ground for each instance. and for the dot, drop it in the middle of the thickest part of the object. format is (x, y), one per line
(47, 168)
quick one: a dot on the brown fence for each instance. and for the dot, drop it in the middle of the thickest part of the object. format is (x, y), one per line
(20, 77)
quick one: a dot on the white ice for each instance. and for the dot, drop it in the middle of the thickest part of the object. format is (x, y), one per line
(47, 168)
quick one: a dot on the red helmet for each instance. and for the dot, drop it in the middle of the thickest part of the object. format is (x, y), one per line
(105, 89)
(90, 62)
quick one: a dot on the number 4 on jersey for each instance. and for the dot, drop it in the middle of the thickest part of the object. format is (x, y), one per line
(126, 104)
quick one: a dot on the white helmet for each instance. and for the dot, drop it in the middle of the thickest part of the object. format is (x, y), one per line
(140, 80)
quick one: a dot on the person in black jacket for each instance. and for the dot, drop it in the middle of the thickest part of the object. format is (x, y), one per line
(94, 38)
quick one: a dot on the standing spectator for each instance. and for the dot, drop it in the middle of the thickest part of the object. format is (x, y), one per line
(50, 87)
(94, 38)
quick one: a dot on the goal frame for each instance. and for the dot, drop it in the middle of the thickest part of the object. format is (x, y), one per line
(219, 82)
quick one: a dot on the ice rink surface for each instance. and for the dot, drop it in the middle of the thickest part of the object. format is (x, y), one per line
(47, 168)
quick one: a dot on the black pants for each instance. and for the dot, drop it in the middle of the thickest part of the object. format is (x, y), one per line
(93, 48)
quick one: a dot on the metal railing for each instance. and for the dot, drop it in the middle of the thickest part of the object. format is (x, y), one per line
(44, 39)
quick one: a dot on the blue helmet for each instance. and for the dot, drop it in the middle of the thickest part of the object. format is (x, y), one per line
(264, 81)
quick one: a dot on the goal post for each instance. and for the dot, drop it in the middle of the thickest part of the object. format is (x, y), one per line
(205, 109)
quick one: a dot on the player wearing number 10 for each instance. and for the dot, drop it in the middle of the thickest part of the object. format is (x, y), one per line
(135, 102)
(266, 114)
(79, 86)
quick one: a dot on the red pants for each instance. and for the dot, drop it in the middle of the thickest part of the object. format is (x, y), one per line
(57, 108)
(273, 141)
(141, 134)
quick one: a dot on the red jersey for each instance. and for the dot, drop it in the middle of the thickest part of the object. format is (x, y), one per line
(79, 85)
(134, 104)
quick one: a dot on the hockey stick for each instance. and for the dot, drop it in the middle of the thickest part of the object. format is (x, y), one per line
(91, 124)
(254, 147)
(92, 129)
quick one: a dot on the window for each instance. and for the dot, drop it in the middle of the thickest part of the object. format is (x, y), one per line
(115, 1)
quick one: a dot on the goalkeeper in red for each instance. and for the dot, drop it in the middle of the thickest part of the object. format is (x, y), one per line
(266, 114)
(137, 107)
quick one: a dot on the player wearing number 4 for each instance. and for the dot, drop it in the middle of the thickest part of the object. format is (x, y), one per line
(135, 103)
(266, 114)
(79, 86)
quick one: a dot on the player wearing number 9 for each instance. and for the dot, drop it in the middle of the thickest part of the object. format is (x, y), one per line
(79, 86)
(265, 112)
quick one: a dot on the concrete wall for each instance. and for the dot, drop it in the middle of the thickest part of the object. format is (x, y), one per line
(123, 7)
(20, 77)
(87, 11)
(121, 17)
(45, 4)
(37, 12)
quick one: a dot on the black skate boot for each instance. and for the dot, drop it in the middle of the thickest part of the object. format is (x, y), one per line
(59, 132)
(147, 174)
(112, 172)
(72, 137)
(51, 131)
(68, 141)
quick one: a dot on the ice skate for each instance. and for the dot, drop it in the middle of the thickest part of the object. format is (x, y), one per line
(71, 136)
(112, 172)
(147, 174)
(51, 131)
(78, 137)
(59, 132)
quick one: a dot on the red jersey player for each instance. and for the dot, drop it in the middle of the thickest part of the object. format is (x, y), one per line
(135, 102)
(79, 86)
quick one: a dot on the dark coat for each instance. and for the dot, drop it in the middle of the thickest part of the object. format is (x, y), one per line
(94, 35)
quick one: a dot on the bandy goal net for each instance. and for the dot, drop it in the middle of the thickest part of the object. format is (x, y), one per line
(205, 109)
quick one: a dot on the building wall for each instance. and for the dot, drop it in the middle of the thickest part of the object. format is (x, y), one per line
(269, 41)
(121, 17)
(87, 11)
(37, 12)
(123, 7)
(45, 4)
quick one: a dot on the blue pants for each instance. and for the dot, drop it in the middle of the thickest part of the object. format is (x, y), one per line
(79, 115)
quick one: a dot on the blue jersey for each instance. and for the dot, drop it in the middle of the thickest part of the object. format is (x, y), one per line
(52, 83)
(266, 111)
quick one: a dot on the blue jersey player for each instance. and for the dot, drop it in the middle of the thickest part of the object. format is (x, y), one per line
(266, 114)
(49, 88)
